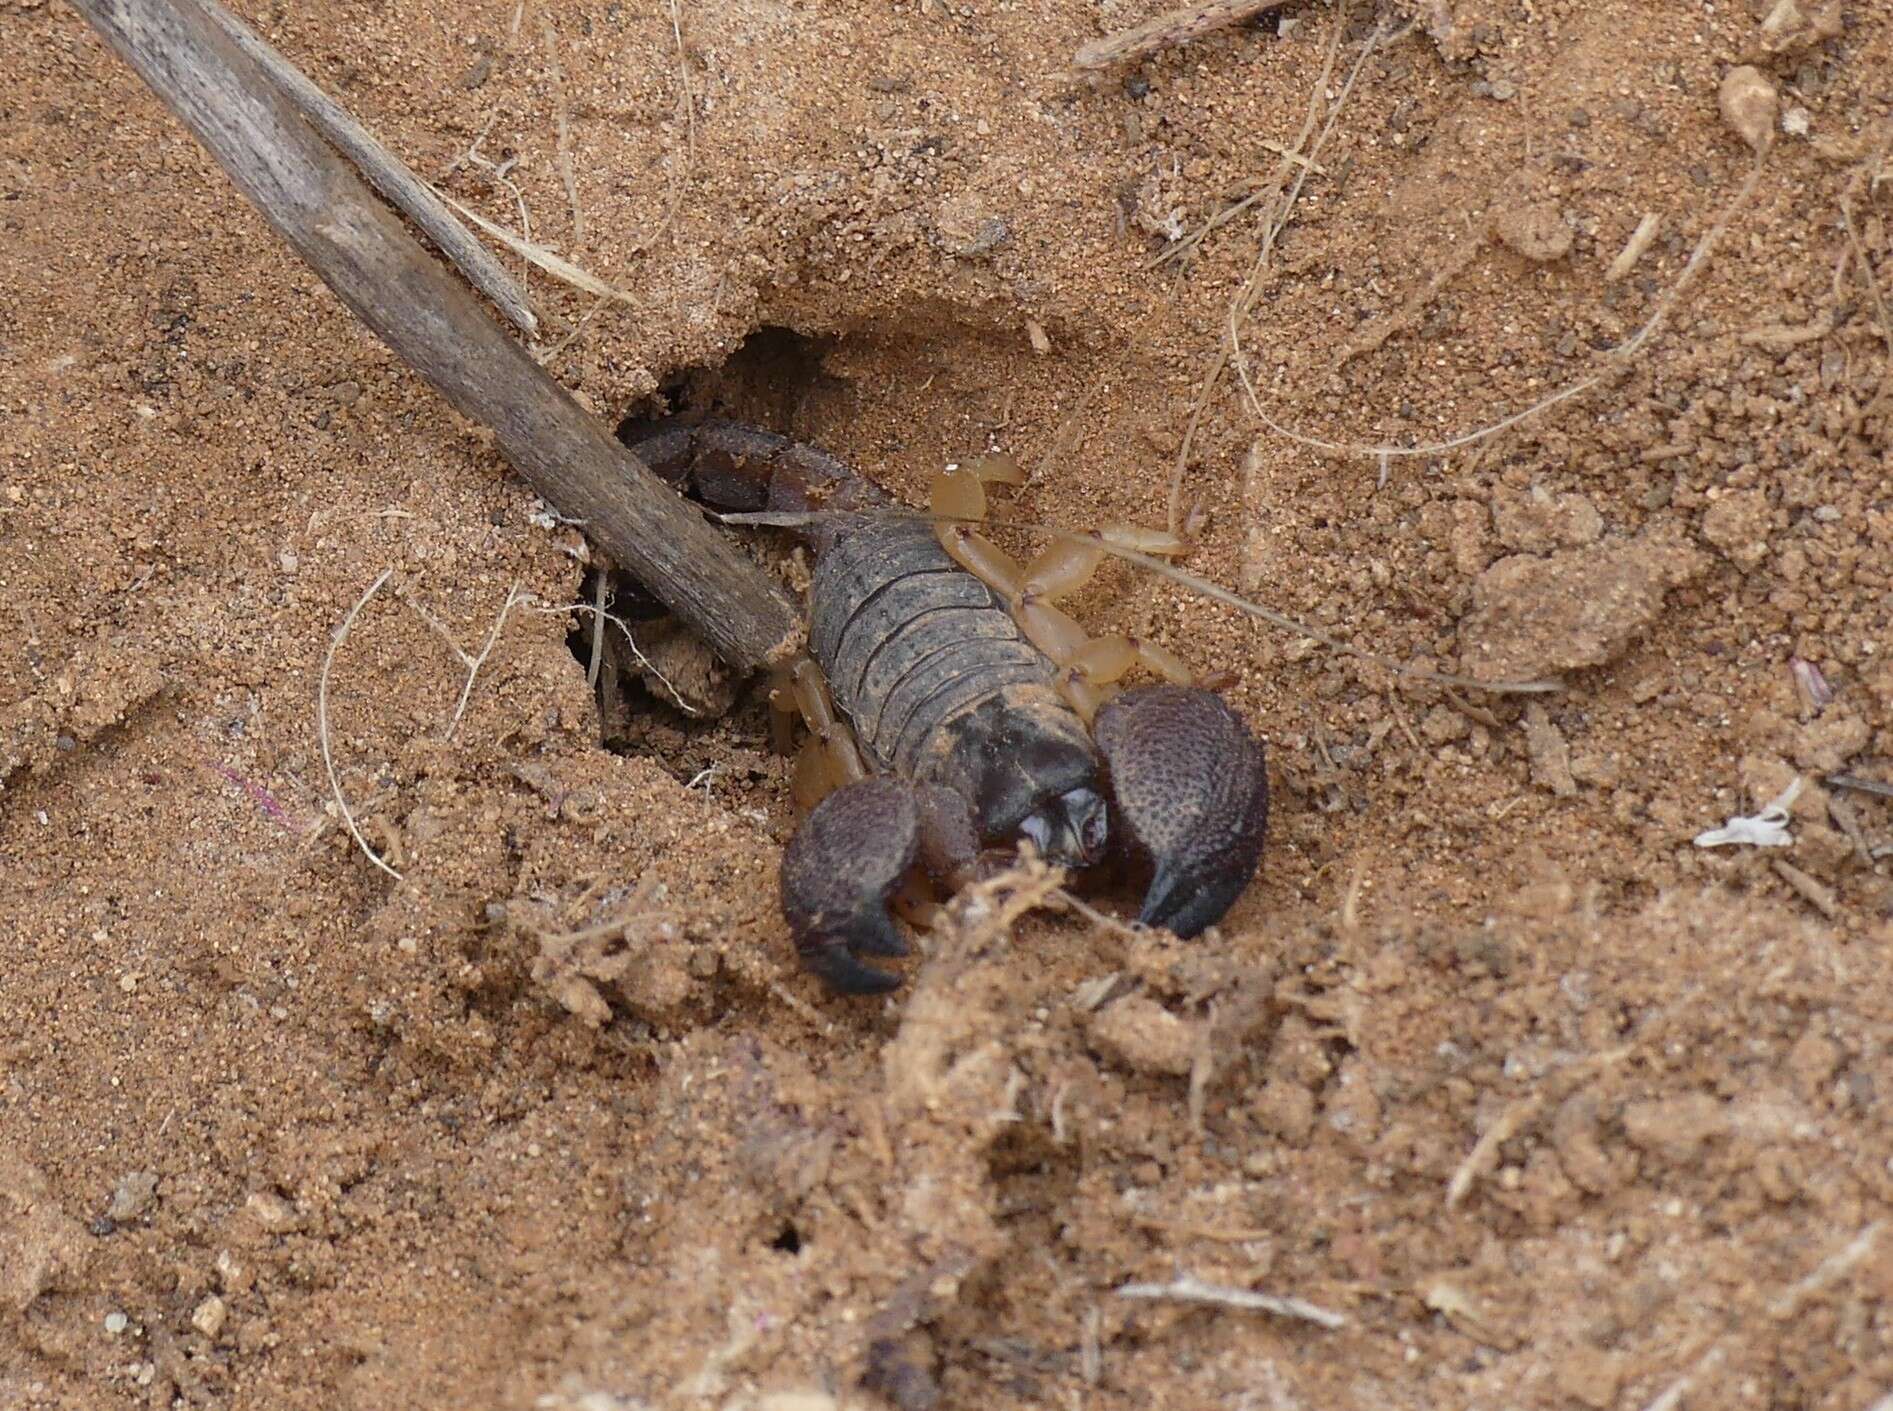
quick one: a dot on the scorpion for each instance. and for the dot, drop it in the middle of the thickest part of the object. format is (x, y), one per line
(954, 709)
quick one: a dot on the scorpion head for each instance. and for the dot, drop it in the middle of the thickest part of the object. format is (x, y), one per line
(1025, 764)
(1071, 829)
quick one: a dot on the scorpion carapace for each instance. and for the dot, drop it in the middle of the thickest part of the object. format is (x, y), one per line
(956, 709)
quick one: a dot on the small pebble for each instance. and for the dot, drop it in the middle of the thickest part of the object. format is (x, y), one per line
(116, 1323)
(132, 1196)
(1749, 104)
(208, 1317)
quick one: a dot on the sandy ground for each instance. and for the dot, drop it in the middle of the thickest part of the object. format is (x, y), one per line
(1549, 1106)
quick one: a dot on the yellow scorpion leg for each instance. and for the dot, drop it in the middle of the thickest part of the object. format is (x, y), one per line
(829, 758)
(1089, 668)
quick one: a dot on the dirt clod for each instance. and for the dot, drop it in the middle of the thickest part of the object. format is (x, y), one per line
(1580, 607)
(1535, 229)
(1144, 1036)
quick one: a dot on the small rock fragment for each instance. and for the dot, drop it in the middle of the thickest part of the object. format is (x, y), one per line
(270, 1213)
(1797, 24)
(1550, 755)
(1143, 1036)
(1534, 229)
(1443, 725)
(116, 1323)
(1738, 524)
(208, 1317)
(966, 230)
(132, 1196)
(1749, 104)
(1590, 1376)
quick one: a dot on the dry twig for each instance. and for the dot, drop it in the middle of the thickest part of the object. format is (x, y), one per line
(1187, 1288)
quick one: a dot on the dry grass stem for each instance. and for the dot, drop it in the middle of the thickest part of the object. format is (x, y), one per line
(1634, 248)
(1187, 1288)
(568, 169)
(598, 630)
(322, 722)
(548, 260)
(1485, 1152)
(1859, 785)
(1176, 27)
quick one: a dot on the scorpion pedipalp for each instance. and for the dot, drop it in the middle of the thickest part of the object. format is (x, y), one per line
(844, 865)
(1192, 797)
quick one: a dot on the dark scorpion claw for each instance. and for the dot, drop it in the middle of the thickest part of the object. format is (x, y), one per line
(1192, 795)
(840, 870)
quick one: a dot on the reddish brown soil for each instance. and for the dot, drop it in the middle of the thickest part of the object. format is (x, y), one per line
(277, 1131)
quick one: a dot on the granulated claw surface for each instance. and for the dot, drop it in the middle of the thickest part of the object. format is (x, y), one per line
(1192, 795)
(839, 871)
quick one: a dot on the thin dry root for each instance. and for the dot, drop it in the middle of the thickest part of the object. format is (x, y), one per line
(322, 723)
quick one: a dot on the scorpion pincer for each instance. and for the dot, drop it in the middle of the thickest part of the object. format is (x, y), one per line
(954, 708)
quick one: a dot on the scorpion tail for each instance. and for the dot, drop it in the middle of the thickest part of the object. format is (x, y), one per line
(733, 466)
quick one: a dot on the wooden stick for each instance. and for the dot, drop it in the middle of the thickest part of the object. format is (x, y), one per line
(1176, 27)
(317, 202)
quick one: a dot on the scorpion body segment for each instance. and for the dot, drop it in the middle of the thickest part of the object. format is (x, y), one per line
(970, 733)
(941, 685)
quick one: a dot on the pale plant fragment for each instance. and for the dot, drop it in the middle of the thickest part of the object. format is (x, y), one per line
(548, 260)
(1767, 828)
(1641, 239)
(1187, 1288)
(472, 663)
